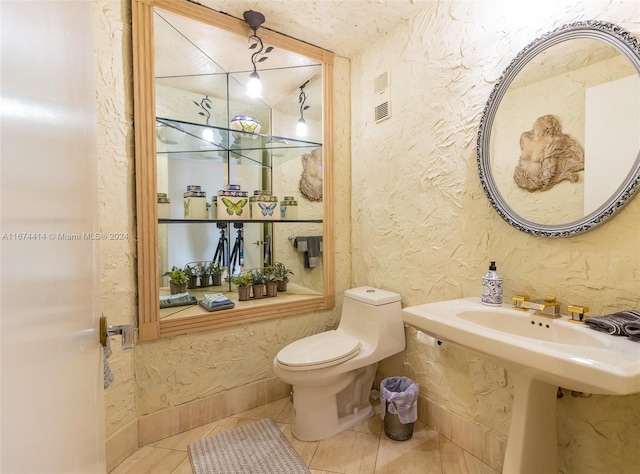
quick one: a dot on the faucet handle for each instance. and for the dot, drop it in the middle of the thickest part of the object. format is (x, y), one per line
(518, 301)
(577, 312)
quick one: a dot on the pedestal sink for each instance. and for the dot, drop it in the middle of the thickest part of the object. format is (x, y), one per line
(540, 355)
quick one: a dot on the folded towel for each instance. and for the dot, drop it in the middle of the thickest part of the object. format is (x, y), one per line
(631, 328)
(179, 299)
(399, 395)
(216, 302)
(170, 298)
(108, 375)
(623, 323)
(311, 247)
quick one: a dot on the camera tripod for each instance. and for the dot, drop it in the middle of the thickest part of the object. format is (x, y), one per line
(237, 254)
(221, 257)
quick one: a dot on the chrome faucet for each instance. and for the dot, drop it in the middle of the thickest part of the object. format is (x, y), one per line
(548, 307)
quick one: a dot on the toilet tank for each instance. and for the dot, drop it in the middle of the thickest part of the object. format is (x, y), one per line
(375, 317)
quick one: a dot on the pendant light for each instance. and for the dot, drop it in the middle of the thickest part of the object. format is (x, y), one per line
(254, 86)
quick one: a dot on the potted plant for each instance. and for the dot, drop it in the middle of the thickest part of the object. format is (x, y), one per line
(192, 275)
(259, 280)
(271, 281)
(204, 273)
(243, 281)
(282, 275)
(177, 280)
(216, 271)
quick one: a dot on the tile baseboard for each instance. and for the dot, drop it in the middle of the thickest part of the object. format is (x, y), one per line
(174, 420)
(486, 446)
(121, 444)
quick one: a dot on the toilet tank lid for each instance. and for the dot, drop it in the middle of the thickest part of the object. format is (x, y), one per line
(372, 296)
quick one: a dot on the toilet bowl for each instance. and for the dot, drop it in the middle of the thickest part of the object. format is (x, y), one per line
(332, 372)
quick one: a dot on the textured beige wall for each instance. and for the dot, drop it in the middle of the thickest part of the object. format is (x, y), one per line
(116, 188)
(422, 226)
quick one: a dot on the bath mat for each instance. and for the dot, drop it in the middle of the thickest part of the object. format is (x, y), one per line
(254, 448)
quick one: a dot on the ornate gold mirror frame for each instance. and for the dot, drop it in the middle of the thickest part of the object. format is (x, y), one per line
(149, 324)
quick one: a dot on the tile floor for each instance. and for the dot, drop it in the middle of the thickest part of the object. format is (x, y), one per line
(364, 449)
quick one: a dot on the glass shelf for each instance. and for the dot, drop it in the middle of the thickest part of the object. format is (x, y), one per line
(239, 221)
(187, 140)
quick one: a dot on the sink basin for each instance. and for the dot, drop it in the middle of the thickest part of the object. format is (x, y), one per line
(556, 351)
(539, 328)
(540, 355)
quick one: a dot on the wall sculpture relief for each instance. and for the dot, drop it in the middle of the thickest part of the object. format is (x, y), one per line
(547, 156)
(311, 179)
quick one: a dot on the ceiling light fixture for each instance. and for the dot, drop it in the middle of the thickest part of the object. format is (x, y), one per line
(301, 127)
(254, 86)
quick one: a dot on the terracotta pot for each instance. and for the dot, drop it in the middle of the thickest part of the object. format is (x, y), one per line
(244, 292)
(175, 288)
(205, 280)
(272, 289)
(282, 285)
(258, 291)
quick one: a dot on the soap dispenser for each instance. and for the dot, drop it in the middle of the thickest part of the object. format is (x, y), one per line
(492, 287)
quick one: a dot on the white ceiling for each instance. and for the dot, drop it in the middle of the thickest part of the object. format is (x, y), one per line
(194, 56)
(342, 26)
(189, 53)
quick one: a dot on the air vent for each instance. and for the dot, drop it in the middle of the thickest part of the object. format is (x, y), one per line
(381, 83)
(382, 112)
(381, 87)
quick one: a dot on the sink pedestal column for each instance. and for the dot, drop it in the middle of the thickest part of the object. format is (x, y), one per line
(532, 447)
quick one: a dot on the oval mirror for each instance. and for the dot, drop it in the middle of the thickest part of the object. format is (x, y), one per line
(559, 141)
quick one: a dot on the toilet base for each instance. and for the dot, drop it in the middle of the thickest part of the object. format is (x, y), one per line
(319, 413)
(321, 425)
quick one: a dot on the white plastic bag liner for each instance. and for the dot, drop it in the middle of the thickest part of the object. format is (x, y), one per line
(400, 395)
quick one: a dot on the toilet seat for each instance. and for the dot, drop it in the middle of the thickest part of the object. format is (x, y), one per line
(320, 350)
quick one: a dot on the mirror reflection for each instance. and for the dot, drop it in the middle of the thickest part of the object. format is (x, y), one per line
(562, 136)
(211, 135)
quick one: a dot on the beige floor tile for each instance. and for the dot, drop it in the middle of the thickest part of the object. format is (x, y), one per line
(420, 453)
(183, 468)
(151, 460)
(348, 452)
(455, 460)
(365, 449)
(372, 425)
(452, 458)
(286, 415)
(138, 455)
(270, 410)
(305, 449)
(475, 466)
(180, 441)
(228, 424)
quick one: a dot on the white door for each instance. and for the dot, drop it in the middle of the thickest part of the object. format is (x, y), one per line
(51, 403)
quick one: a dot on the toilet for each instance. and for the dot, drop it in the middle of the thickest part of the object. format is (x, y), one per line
(332, 372)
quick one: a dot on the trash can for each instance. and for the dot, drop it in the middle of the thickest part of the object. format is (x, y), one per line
(399, 402)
